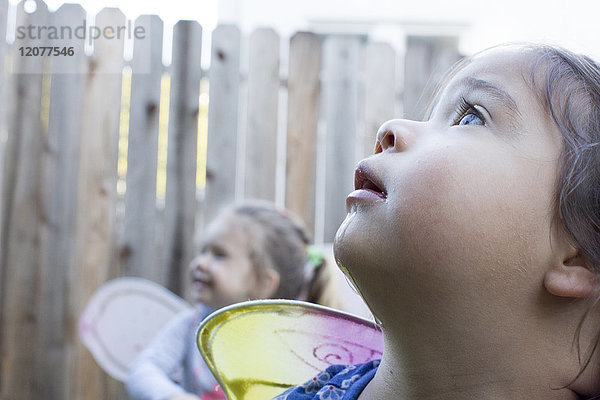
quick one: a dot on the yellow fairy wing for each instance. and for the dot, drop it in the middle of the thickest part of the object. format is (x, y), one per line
(257, 349)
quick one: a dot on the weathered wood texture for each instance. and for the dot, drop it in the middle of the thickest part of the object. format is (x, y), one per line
(380, 93)
(3, 111)
(180, 207)
(97, 197)
(221, 158)
(64, 230)
(261, 128)
(138, 246)
(342, 66)
(302, 120)
(20, 372)
(61, 166)
(426, 61)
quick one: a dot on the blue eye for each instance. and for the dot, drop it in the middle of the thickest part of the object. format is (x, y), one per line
(468, 114)
(470, 119)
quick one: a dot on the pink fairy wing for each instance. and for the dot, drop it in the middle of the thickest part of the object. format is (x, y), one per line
(122, 317)
(257, 349)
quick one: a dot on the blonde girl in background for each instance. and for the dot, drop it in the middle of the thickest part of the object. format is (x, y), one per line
(251, 250)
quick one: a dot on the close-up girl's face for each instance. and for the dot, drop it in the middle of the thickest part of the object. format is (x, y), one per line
(223, 272)
(455, 214)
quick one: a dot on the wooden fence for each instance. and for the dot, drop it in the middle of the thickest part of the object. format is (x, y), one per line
(287, 121)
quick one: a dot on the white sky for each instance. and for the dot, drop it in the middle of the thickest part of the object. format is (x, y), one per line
(204, 11)
(570, 23)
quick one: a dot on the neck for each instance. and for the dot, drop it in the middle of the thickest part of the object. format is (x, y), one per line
(417, 372)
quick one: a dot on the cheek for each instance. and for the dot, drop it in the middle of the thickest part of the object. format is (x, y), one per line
(472, 227)
(470, 208)
(237, 279)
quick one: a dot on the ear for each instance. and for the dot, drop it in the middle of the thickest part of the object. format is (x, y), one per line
(572, 276)
(268, 283)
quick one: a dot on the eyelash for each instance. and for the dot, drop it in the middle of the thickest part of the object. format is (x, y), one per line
(464, 108)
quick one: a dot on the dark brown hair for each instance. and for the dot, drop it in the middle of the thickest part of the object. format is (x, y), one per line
(569, 90)
(570, 93)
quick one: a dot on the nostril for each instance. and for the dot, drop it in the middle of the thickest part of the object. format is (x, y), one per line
(388, 140)
(395, 135)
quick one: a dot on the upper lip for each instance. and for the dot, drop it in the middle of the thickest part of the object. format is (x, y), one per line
(365, 179)
(201, 277)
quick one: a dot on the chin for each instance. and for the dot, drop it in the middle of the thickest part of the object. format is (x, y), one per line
(196, 299)
(352, 258)
(358, 236)
(200, 298)
(340, 242)
(349, 250)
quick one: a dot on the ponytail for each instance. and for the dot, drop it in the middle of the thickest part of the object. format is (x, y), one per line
(281, 242)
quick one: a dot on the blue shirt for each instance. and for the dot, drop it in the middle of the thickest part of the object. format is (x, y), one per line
(338, 382)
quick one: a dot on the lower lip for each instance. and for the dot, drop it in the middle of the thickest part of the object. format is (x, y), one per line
(199, 286)
(366, 194)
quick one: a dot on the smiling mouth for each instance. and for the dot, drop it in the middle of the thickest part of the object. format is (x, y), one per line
(365, 180)
(202, 282)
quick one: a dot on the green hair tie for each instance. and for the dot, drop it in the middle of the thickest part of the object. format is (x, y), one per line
(315, 255)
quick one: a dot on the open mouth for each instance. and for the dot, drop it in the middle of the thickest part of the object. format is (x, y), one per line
(365, 180)
(201, 281)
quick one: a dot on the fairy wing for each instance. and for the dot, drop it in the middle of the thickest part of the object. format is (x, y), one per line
(257, 349)
(122, 317)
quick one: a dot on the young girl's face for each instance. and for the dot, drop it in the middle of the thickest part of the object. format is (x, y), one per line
(223, 273)
(452, 217)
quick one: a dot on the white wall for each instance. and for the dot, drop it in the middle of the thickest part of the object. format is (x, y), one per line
(572, 24)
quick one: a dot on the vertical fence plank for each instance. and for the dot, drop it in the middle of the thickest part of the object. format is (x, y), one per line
(342, 69)
(97, 195)
(261, 133)
(61, 165)
(3, 53)
(380, 95)
(3, 191)
(222, 119)
(302, 117)
(180, 202)
(427, 59)
(3, 115)
(138, 247)
(57, 203)
(21, 257)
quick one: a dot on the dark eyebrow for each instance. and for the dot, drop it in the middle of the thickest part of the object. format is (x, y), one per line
(497, 93)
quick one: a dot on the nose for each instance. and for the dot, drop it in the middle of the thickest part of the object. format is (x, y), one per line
(200, 262)
(396, 135)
